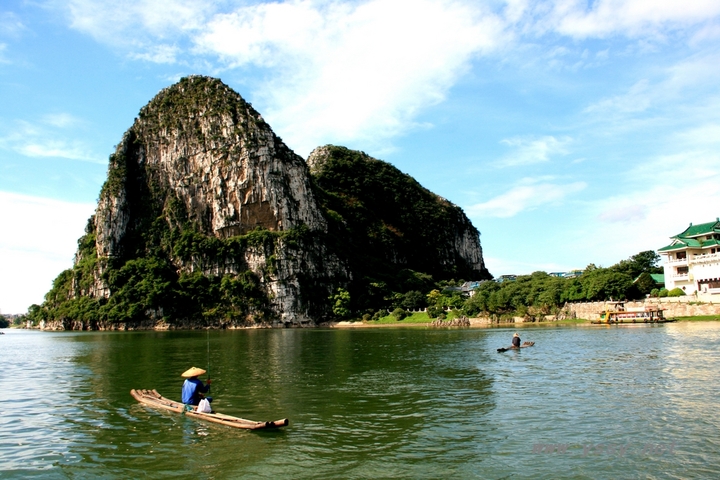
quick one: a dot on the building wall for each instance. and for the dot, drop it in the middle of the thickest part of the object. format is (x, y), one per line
(700, 267)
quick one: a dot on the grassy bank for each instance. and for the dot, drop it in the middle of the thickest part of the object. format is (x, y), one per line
(700, 318)
(569, 321)
(417, 317)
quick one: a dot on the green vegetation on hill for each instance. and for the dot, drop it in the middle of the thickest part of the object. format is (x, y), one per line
(150, 283)
(396, 236)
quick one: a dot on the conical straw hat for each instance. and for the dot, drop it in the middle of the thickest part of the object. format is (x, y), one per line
(193, 372)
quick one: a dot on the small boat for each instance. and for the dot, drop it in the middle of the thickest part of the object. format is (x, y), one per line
(524, 345)
(154, 399)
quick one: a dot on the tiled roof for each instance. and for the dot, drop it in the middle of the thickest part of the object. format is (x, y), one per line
(687, 239)
(658, 277)
(680, 243)
(701, 229)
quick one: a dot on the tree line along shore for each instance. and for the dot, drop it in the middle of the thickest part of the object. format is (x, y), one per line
(537, 297)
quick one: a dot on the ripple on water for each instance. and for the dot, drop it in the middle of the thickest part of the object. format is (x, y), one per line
(380, 404)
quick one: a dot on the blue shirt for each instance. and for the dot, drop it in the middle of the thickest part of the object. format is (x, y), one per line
(191, 390)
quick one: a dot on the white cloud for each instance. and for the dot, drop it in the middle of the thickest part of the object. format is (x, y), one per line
(158, 54)
(528, 195)
(670, 98)
(707, 33)
(624, 213)
(637, 99)
(56, 149)
(707, 135)
(39, 241)
(10, 25)
(627, 17)
(529, 149)
(334, 71)
(659, 198)
(137, 23)
(60, 120)
(351, 72)
(37, 140)
(360, 72)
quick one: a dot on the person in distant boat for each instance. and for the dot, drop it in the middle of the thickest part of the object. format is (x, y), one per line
(193, 389)
(516, 341)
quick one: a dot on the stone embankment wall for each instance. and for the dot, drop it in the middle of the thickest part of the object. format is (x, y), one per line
(673, 307)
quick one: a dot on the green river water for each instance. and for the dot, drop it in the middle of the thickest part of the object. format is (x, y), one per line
(584, 402)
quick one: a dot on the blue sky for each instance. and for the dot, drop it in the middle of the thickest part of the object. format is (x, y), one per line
(571, 132)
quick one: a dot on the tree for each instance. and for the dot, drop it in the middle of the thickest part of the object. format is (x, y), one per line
(341, 303)
(645, 283)
(36, 313)
(603, 284)
(643, 262)
(433, 297)
(647, 261)
(480, 301)
(399, 314)
(413, 299)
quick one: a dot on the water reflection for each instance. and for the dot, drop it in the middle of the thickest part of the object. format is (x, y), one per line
(389, 403)
(354, 398)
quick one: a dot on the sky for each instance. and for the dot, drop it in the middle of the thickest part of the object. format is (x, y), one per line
(571, 132)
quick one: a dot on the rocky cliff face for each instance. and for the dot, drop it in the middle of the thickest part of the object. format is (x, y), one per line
(201, 159)
(201, 141)
(207, 217)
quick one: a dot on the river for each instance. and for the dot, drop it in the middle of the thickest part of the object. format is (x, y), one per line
(584, 402)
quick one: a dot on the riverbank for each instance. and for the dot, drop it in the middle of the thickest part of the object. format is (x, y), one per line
(417, 319)
(483, 323)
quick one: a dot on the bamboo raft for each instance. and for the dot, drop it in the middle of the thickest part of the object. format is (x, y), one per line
(154, 399)
(524, 345)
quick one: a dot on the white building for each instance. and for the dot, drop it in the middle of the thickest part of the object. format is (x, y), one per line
(692, 260)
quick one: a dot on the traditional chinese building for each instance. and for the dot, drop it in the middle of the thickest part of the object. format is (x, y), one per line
(692, 260)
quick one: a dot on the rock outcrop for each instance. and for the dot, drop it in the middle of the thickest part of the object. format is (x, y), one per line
(389, 214)
(208, 218)
(201, 159)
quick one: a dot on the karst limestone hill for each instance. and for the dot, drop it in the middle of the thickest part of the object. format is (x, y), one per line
(208, 219)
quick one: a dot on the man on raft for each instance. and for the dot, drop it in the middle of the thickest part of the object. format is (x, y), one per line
(193, 389)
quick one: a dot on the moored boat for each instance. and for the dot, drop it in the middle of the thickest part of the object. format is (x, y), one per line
(154, 399)
(616, 312)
